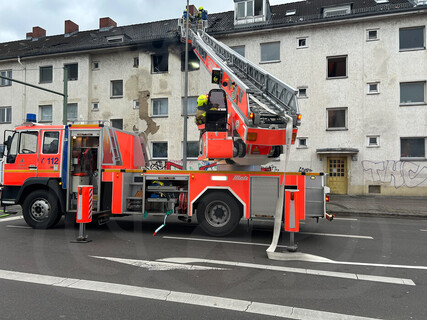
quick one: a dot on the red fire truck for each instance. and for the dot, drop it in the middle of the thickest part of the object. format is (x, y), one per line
(45, 164)
(257, 115)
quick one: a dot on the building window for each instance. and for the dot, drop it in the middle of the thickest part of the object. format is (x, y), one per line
(159, 63)
(337, 119)
(412, 93)
(5, 114)
(136, 62)
(239, 49)
(71, 111)
(4, 82)
(95, 65)
(45, 113)
(372, 35)
(251, 8)
(46, 74)
(51, 142)
(73, 71)
(412, 38)
(302, 92)
(337, 67)
(117, 123)
(373, 88)
(159, 107)
(336, 11)
(159, 150)
(193, 61)
(191, 106)
(270, 52)
(95, 106)
(116, 88)
(115, 39)
(192, 149)
(302, 143)
(302, 42)
(373, 141)
(136, 104)
(413, 148)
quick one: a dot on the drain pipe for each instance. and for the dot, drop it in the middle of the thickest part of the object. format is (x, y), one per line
(24, 98)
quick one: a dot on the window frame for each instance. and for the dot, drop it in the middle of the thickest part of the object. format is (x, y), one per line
(77, 111)
(41, 113)
(97, 106)
(7, 114)
(417, 103)
(6, 73)
(345, 119)
(95, 65)
(112, 96)
(423, 47)
(422, 158)
(371, 145)
(47, 145)
(369, 84)
(159, 115)
(302, 46)
(239, 47)
(377, 30)
(152, 150)
(189, 104)
(191, 58)
(302, 146)
(67, 65)
(269, 43)
(346, 67)
(135, 104)
(305, 96)
(197, 143)
(152, 62)
(40, 74)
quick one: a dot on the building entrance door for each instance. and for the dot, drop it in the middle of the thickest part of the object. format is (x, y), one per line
(337, 175)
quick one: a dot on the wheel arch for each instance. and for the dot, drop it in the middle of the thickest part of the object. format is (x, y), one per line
(48, 184)
(209, 190)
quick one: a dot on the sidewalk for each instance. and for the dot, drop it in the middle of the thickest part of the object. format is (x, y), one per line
(415, 207)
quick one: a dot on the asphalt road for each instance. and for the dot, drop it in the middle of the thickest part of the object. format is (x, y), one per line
(375, 268)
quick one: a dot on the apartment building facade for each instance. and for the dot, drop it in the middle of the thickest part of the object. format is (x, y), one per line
(360, 70)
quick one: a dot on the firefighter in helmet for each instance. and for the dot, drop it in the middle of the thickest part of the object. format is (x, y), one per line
(202, 107)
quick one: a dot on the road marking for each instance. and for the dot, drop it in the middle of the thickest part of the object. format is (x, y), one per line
(10, 219)
(423, 230)
(345, 275)
(18, 227)
(346, 219)
(158, 266)
(221, 241)
(338, 235)
(245, 306)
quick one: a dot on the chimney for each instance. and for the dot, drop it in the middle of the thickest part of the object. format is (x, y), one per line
(106, 23)
(29, 35)
(193, 10)
(38, 32)
(70, 27)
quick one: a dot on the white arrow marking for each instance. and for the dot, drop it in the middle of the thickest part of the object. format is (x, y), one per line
(158, 266)
(333, 274)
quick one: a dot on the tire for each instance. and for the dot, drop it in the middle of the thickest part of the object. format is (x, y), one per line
(218, 214)
(41, 210)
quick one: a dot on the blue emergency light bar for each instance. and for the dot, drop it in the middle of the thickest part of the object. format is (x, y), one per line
(31, 117)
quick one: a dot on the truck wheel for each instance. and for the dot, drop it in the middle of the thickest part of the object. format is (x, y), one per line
(218, 214)
(40, 209)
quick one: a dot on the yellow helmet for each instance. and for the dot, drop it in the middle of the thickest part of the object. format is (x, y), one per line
(200, 8)
(201, 100)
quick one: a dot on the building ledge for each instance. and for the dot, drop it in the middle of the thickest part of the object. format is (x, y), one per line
(337, 150)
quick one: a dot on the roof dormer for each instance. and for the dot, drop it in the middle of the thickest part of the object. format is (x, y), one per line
(251, 11)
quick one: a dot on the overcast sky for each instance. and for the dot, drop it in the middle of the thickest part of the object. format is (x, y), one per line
(19, 16)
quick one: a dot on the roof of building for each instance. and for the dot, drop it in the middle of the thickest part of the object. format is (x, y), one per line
(155, 33)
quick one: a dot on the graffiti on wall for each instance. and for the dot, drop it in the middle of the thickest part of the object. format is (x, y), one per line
(301, 169)
(396, 173)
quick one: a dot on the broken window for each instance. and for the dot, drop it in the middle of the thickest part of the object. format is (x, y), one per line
(159, 63)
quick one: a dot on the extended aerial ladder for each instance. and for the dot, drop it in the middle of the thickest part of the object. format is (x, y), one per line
(263, 112)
